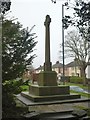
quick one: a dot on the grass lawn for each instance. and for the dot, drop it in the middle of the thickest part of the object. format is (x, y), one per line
(80, 93)
(80, 85)
(25, 87)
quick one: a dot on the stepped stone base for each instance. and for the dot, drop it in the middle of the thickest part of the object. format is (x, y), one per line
(49, 93)
(48, 90)
(35, 98)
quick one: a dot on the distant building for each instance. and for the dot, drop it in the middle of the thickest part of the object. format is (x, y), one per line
(71, 69)
(87, 71)
(57, 67)
(39, 69)
(28, 72)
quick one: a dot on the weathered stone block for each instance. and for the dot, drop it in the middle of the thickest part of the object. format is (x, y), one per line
(48, 90)
(47, 78)
(35, 98)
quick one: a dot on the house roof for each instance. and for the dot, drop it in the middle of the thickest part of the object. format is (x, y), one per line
(71, 64)
(57, 65)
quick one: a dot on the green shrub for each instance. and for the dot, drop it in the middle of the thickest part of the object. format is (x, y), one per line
(9, 88)
(76, 79)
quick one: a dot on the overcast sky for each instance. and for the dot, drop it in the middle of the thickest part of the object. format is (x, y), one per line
(33, 12)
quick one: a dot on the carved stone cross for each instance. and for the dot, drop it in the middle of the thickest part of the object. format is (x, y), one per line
(47, 64)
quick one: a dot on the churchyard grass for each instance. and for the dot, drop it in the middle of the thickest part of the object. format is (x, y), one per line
(25, 87)
(80, 93)
(81, 86)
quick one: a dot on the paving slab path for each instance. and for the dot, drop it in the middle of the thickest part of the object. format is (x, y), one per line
(59, 107)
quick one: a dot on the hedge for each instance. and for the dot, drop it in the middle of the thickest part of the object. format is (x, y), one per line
(76, 79)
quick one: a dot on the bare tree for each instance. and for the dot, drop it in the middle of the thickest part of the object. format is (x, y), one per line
(76, 46)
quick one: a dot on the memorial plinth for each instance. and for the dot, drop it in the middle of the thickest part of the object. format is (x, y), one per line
(47, 88)
(47, 78)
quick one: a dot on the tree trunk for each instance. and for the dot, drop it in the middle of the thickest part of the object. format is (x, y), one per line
(83, 75)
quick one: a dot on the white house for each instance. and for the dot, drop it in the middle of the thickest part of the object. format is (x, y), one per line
(88, 63)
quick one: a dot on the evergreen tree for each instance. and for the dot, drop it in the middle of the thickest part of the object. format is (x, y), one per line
(17, 47)
(17, 52)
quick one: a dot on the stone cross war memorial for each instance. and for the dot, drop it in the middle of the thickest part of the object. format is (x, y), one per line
(47, 89)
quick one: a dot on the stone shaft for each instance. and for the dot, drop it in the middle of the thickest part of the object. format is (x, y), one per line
(47, 64)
